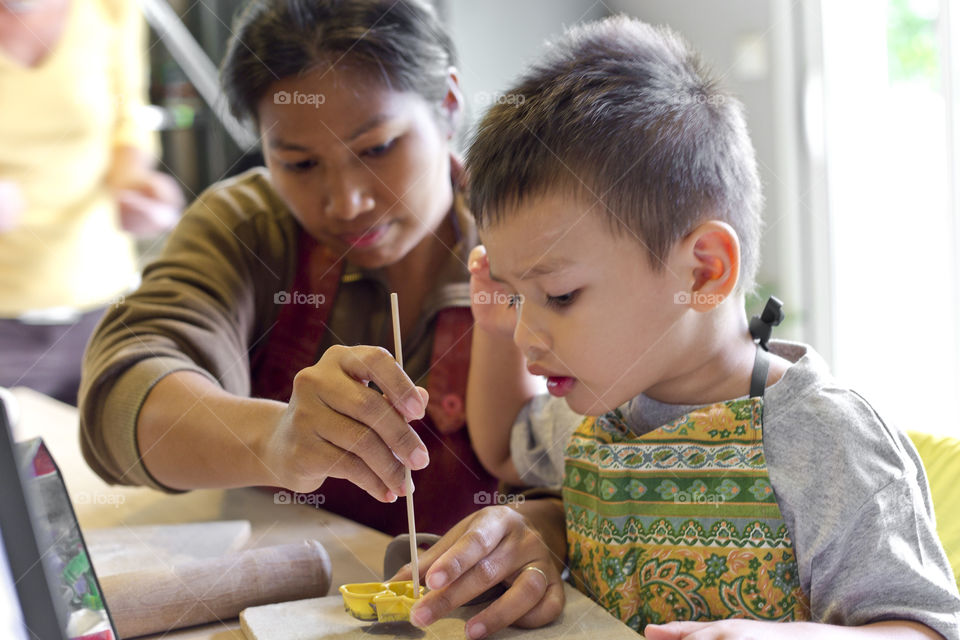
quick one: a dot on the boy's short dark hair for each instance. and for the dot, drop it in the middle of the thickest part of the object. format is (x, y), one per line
(623, 114)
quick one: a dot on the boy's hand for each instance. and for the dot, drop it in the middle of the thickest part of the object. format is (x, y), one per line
(490, 300)
(494, 545)
(749, 629)
(725, 630)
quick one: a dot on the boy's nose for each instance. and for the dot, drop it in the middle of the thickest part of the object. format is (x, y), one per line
(532, 341)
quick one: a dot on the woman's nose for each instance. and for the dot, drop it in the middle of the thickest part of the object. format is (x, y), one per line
(347, 198)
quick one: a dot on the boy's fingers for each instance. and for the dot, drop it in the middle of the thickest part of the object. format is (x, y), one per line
(470, 547)
(477, 256)
(490, 571)
(549, 608)
(673, 630)
(403, 573)
(427, 557)
(529, 602)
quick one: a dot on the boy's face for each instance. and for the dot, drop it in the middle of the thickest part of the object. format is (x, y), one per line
(595, 318)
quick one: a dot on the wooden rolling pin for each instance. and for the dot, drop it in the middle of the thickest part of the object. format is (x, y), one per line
(201, 591)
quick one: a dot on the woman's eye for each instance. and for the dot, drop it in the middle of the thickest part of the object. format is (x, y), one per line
(379, 150)
(565, 300)
(303, 165)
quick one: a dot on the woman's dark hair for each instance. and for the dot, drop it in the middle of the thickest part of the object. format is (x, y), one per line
(403, 42)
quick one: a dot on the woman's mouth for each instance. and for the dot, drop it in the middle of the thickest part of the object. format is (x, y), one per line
(366, 238)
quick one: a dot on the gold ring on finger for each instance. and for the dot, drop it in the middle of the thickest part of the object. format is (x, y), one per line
(546, 581)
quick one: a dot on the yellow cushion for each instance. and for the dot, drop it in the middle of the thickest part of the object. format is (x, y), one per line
(941, 459)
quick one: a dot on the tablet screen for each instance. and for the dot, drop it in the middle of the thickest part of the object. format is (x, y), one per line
(72, 579)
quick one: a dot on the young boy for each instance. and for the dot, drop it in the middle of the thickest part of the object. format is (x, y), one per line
(734, 488)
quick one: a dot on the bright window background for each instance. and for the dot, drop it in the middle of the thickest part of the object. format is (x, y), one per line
(893, 232)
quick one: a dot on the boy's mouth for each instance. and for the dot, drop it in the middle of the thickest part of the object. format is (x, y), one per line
(558, 386)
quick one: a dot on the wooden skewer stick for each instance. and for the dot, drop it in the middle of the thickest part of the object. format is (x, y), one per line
(408, 478)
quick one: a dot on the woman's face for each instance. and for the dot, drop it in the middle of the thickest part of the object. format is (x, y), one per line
(364, 169)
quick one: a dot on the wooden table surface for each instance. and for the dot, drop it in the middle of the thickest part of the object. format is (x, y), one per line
(356, 551)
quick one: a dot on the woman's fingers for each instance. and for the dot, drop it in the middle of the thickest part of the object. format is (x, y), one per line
(336, 425)
(355, 400)
(337, 463)
(365, 445)
(11, 205)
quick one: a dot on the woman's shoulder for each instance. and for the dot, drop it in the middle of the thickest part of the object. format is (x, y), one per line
(241, 219)
(246, 197)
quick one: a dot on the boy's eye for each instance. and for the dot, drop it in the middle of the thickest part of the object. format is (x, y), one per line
(299, 167)
(565, 300)
(379, 150)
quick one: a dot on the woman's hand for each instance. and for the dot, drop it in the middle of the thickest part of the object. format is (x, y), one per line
(335, 425)
(150, 203)
(493, 306)
(522, 547)
(11, 205)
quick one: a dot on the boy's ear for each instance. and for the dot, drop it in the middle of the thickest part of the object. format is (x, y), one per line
(712, 256)
(451, 107)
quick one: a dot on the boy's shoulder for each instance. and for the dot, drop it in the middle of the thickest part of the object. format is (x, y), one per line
(815, 428)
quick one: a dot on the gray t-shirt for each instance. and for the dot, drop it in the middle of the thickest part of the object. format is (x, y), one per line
(851, 489)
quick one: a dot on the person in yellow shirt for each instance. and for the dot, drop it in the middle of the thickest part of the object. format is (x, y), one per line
(76, 180)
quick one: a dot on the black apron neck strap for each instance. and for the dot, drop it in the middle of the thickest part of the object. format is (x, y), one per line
(761, 328)
(761, 367)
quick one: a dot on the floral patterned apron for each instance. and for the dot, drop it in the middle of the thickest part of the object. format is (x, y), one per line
(680, 523)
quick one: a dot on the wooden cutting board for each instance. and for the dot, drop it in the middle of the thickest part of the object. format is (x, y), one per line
(325, 619)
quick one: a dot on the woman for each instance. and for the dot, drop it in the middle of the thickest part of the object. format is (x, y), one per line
(76, 176)
(227, 367)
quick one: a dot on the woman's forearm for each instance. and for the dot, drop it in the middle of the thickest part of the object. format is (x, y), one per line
(192, 434)
(498, 386)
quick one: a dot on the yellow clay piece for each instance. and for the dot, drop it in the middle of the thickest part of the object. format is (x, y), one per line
(380, 601)
(358, 598)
